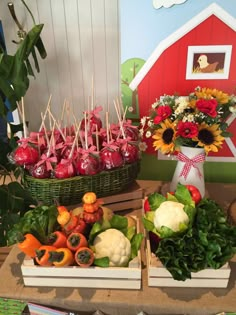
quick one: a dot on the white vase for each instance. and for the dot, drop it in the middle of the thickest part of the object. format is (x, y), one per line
(189, 169)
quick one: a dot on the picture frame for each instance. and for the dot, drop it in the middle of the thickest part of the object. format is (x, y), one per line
(208, 62)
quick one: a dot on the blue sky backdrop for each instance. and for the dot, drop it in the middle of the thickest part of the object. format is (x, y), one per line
(143, 27)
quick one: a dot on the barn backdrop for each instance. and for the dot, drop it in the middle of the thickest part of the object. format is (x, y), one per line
(166, 70)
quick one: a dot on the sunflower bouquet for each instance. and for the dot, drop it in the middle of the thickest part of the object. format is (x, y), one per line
(198, 120)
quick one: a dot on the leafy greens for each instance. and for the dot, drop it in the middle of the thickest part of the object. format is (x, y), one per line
(209, 243)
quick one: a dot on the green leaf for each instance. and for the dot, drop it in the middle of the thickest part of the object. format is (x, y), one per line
(136, 244)
(36, 64)
(28, 43)
(29, 68)
(41, 49)
(119, 222)
(183, 195)
(155, 200)
(102, 262)
(148, 221)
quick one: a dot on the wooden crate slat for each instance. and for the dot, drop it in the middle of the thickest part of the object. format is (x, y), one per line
(83, 283)
(193, 283)
(130, 204)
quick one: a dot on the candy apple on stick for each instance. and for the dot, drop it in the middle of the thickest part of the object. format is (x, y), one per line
(66, 168)
(89, 163)
(43, 168)
(110, 154)
(25, 154)
(128, 148)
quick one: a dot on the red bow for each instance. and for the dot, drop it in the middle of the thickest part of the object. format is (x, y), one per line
(190, 163)
(85, 152)
(48, 161)
(68, 164)
(111, 145)
(24, 142)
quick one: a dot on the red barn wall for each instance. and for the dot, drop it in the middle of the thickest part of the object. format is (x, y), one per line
(168, 74)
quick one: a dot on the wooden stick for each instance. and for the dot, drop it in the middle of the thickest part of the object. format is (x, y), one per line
(58, 127)
(62, 113)
(45, 129)
(23, 118)
(85, 133)
(45, 113)
(97, 141)
(74, 142)
(107, 127)
(120, 122)
(52, 139)
(92, 100)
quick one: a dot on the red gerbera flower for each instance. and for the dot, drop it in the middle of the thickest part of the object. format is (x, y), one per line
(163, 112)
(208, 107)
(187, 129)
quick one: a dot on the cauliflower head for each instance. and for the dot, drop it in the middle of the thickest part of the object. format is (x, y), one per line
(113, 244)
(170, 214)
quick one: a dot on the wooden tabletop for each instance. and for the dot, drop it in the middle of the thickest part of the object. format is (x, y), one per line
(194, 301)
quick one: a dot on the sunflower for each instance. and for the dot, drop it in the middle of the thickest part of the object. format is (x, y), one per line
(164, 137)
(206, 93)
(209, 137)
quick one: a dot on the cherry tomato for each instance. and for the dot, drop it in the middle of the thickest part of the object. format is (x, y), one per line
(195, 193)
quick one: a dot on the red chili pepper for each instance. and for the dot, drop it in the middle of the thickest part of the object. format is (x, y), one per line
(57, 239)
(76, 240)
(84, 257)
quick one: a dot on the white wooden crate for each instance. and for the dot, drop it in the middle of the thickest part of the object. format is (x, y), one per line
(159, 276)
(77, 277)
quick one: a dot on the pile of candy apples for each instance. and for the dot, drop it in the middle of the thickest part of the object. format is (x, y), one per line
(82, 148)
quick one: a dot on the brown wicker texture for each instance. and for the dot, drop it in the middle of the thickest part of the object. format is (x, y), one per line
(71, 190)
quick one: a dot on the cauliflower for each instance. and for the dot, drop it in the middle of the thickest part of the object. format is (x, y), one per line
(170, 214)
(113, 244)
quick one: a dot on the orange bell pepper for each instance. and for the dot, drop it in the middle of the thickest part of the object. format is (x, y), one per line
(42, 255)
(29, 245)
(61, 257)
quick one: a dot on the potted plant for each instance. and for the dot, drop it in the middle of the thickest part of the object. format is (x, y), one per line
(14, 83)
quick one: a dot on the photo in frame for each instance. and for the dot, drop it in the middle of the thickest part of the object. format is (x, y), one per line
(208, 62)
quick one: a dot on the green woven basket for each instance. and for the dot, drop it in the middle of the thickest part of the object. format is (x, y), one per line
(70, 191)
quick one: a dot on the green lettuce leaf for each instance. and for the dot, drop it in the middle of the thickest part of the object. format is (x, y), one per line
(209, 243)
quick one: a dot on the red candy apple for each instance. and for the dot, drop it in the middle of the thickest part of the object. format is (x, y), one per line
(64, 169)
(111, 157)
(26, 155)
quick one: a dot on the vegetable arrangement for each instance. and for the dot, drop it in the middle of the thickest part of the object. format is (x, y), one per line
(55, 236)
(206, 241)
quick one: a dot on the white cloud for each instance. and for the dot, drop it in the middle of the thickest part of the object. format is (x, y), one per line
(166, 3)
